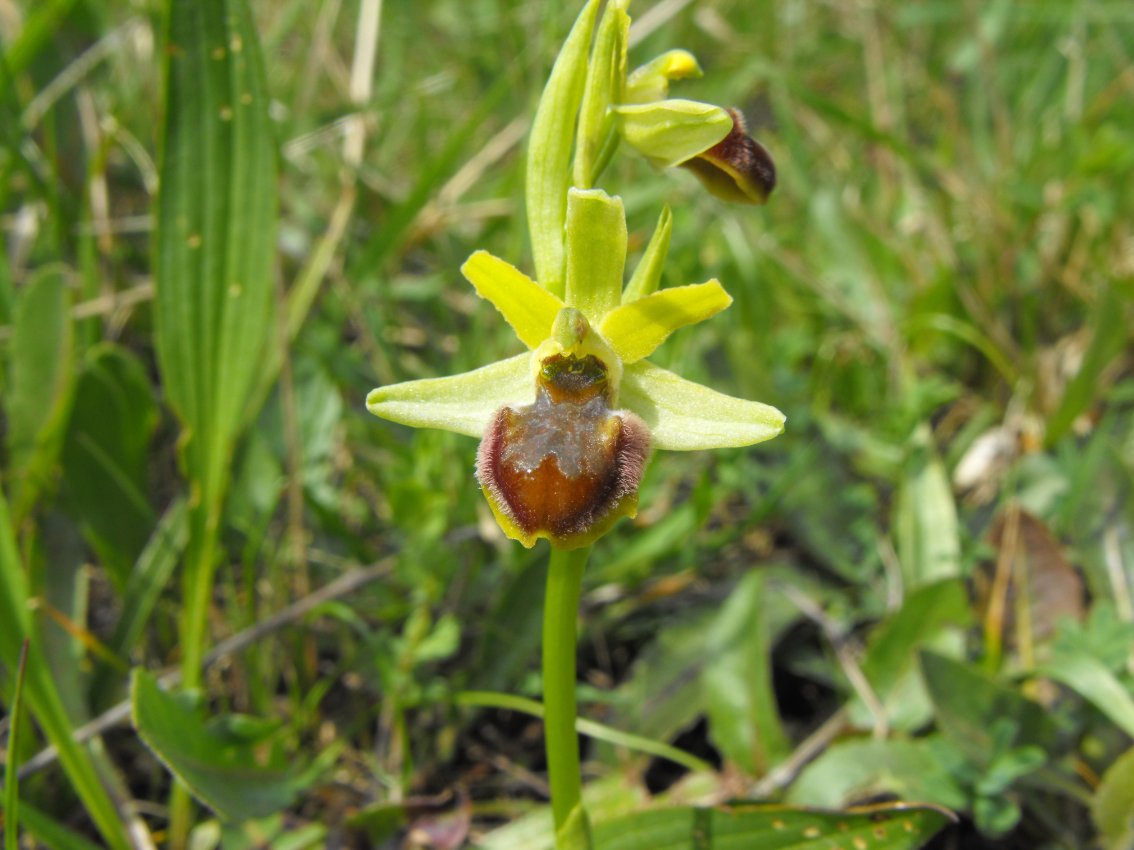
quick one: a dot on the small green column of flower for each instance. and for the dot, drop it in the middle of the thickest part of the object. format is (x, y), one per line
(566, 428)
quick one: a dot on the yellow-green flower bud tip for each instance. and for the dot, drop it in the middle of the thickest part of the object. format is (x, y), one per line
(737, 168)
(566, 467)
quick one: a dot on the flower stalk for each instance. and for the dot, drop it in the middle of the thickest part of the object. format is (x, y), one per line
(560, 616)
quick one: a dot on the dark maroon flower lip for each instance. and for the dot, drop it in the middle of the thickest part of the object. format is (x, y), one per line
(737, 168)
(567, 466)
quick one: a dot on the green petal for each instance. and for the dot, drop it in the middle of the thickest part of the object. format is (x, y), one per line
(647, 274)
(549, 150)
(636, 329)
(683, 415)
(463, 403)
(671, 131)
(526, 306)
(596, 252)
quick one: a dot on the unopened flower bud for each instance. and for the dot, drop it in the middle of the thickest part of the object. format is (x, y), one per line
(737, 168)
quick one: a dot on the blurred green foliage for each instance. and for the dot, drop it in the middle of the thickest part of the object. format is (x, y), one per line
(931, 572)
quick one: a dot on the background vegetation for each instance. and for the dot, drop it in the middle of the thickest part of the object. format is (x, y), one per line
(923, 590)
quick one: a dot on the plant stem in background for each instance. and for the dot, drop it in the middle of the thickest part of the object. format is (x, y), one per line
(560, 613)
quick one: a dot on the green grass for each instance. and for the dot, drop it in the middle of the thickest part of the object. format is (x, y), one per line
(946, 266)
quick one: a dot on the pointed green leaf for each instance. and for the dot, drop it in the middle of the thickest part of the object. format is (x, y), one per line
(526, 306)
(651, 81)
(596, 252)
(463, 403)
(216, 225)
(926, 526)
(224, 769)
(647, 274)
(969, 703)
(605, 77)
(635, 330)
(671, 131)
(549, 151)
(41, 692)
(105, 453)
(1090, 678)
(42, 378)
(1113, 805)
(767, 827)
(684, 416)
(744, 721)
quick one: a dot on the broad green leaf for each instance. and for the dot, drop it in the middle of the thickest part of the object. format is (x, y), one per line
(647, 274)
(670, 132)
(40, 692)
(1090, 678)
(683, 415)
(927, 616)
(463, 403)
(549, 151)
(606, 74)
(41, 383)
(925, 517)
(636, 329)
(860, 769)
(1113, 804)
(596, 252)
(216, 224)
(968, 703)
(105, 453)
(526, 306)
(744, 720)
(215, 241)
(765, 827)
(224, 770)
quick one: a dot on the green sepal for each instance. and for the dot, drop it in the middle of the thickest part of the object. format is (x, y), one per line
(685, 416)
(549, 151)
(647, 274)
(462, 403)
(596, 252)
(670, 132)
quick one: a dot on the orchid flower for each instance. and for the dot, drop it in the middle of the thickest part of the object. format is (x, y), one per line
(566, 426)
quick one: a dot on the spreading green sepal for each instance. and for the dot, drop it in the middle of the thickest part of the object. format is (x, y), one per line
(462, 403)
(685, 416)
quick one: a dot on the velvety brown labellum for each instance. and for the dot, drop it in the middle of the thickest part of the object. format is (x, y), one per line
(737, 168)
(567, 466)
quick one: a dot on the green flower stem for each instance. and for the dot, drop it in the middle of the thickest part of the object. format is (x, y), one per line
(561, 610)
